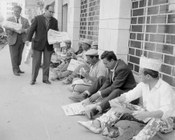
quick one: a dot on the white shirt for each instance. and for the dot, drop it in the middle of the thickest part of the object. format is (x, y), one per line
(160, 97)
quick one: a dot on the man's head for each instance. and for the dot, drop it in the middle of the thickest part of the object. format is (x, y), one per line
(49, 11)
(149, 69)
(92, 56)
(109, 59)
(68, 43)
(17, 11)
(86, 44)
(94, 45)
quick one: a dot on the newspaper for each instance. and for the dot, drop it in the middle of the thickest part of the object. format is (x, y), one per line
(74, 109)
(12, 25)
(74, 64)
(56, 36)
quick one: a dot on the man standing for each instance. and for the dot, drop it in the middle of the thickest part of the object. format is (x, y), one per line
(16, 39)
(120, 80)
(40, 27)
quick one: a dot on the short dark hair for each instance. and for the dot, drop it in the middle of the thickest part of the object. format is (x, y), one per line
(109, 55)
(152, 73)
(92, 56)
(17, 7)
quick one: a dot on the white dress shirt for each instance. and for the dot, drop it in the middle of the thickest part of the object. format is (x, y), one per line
(160, 97)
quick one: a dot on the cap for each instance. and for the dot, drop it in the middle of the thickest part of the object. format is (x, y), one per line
(67, 41)
(149, 63)
(94, 43)
(86, 41)
(92, 52)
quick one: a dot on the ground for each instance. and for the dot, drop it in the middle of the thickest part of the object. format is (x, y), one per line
(34, 112)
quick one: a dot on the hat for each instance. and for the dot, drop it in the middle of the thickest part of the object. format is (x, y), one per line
(86, 41)
(149, 63)
(62, 44)
(92, 52)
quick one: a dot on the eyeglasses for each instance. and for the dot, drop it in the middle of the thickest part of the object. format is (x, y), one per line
(52, 12)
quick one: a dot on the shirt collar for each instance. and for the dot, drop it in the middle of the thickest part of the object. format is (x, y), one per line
(158, 84)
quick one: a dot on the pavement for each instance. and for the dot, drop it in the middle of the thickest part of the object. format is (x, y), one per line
(34, 112)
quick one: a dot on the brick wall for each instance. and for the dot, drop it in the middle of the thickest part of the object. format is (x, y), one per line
(89, 19)
(152, 34)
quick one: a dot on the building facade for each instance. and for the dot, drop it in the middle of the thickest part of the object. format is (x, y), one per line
(130, 28)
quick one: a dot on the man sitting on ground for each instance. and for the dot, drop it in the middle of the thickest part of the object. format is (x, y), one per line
(120, 80)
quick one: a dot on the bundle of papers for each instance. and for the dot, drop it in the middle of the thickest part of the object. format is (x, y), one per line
(12, 25)
(56, 36)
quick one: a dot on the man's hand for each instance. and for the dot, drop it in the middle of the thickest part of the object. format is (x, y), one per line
(94, 97)
(27, 43)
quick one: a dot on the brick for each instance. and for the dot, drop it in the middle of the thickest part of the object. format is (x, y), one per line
(164, 8)
(136, 68)
(133, 20)
(169, 80)
(154, 55)
(130, 66)
(132, 35)
(162, 28)
(142, 3)
(163, 48)
(138, 12)
(166, 69)
(140, 36)
(138, 52)
(151, 28)
(136, 28)
(131, 51)
(149, 2)
(156, 2)
(173, 71)
(134, 59)
(135, 4)
(150, 46)
(170, 39)
(157, 38)
(141, 20)
(169, 60)
(153, 10)
(158, 19)
(171, 18)
(135, 44)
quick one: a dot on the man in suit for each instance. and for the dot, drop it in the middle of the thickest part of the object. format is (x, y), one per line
(40, 27)
(120, 80)
(16, 39)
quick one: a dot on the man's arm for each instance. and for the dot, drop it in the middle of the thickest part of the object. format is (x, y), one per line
(32, 29)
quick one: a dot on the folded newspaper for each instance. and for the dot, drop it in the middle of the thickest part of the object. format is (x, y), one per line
(56, 36)
(12, 25)
(74, 64)
(74, 109)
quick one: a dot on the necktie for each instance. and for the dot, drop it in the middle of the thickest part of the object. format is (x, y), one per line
(17, 20)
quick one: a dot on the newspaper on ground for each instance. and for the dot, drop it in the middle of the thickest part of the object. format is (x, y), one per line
(56, 36)
(73, 109)
(12, 25)
(74, 64)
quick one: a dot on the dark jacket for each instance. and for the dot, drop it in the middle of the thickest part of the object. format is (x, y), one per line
(40, 29)
(123, 79)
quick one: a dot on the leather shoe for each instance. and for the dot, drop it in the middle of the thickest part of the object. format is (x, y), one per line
(16, 73)
(32, 82)
(46, 82)
(77, 98)
(20, 71)
(89, 125)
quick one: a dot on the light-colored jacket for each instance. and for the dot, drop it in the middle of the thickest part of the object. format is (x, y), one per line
(12, 35)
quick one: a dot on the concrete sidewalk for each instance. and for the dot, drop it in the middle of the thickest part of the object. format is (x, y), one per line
(34, 112)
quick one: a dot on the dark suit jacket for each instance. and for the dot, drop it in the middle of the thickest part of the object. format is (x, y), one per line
(40, 29)
(123, 79)
(12, 36)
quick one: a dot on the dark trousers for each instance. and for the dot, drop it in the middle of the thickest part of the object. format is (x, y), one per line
(105, 102)
(16, 51)
(36, 63)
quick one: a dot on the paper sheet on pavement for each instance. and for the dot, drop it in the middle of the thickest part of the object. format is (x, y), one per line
(13, 25)
(56, 36)
(73, 109)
